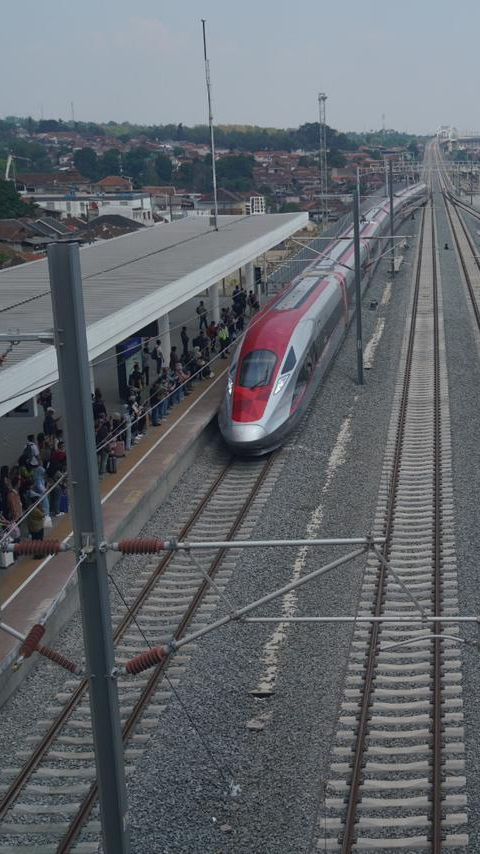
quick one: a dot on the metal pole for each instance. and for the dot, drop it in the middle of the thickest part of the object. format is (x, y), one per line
(386, 177)
(210, 122)
(269, 597)
(72, 355)
(358, 285)
(392, 240)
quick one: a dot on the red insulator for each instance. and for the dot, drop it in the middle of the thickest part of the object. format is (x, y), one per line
(30, 643)
(37, 547)
(147, 659)
(142, 547)
(59, 659)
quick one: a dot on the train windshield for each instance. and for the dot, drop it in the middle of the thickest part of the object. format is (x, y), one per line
(257, 369)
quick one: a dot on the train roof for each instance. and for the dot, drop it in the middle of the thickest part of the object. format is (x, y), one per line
(273, 327)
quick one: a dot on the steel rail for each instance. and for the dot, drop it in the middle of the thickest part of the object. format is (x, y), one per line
(348, 839)
(86, 806)
(437, 571)
(16, 786)
(463, 263)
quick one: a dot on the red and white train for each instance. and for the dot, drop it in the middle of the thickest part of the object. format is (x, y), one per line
(289, 345)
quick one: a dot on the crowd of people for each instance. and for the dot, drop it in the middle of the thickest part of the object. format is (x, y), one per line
(36, 486)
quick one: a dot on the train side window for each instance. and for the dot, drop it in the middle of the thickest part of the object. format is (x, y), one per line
(290, 362)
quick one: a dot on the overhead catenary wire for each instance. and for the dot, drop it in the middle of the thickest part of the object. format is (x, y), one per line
(208, 750)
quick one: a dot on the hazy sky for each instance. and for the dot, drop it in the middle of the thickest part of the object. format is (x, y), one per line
(414, 60)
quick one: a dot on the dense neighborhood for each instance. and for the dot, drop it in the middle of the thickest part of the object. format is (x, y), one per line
(61, 180)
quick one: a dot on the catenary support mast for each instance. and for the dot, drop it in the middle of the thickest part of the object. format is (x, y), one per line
(72, 354)
(322, 100)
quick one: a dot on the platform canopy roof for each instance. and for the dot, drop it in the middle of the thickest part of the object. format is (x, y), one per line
(128, 282)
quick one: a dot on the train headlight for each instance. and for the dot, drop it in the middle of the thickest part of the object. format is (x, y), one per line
(230, 385)
(281, 382)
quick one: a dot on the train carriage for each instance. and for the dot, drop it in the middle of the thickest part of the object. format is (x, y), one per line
(289, 345)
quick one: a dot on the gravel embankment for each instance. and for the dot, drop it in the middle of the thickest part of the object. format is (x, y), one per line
(178, 796)
(462, 341)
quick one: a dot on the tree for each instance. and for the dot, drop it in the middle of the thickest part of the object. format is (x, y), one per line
(235, 173)
(336, 158)
(11, 204)
(86, 161)
(163, 168)
(109, 163)
(136, 161)
(290, 207)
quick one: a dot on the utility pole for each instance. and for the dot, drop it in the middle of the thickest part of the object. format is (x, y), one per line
(72, 355)
(385, 164)
(358, 285)
(392, 238)
(210, 122)
(322, 120)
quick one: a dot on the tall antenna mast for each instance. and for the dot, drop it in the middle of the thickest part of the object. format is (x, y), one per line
(210, 122)
(323, 156)
(72, 109)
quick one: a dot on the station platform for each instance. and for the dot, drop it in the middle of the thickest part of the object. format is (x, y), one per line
(31, 589)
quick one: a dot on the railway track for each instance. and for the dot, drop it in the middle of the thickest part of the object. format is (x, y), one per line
(397, 774)
(49, 802)
(467, 254)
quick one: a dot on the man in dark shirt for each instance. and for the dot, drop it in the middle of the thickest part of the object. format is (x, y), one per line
(135, 380)
(185, 340)
(98, 405)
(50, 422)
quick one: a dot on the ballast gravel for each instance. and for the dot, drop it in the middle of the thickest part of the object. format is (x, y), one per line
(276, 749)
(228, 771)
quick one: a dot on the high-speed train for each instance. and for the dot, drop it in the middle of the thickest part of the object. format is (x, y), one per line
(290, 343)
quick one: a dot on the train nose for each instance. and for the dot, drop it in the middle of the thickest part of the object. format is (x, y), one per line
(246, 439)
(245, 434)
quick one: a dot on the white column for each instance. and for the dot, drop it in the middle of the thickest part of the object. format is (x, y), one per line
(92, 377)
(164, 335)
(213, 293)
(249, 277)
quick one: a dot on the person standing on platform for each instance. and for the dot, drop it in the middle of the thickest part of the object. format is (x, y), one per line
(157, 356)
(45, 399)
(224, 339)
(173, 359)
(135, 381)
(212, 331)
(50, 422)
(98, 405)
(185, 341)
(146, 364)
(31, 454)
(155, 403)
(36, 524)
(202, 314)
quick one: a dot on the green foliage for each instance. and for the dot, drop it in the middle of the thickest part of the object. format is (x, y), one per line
(163, 168)
(86, 161)
(290, 207)
(196, 175)
(110, 163)
(235, 173)
(11, 204)
(384, 138)
(336, 158)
